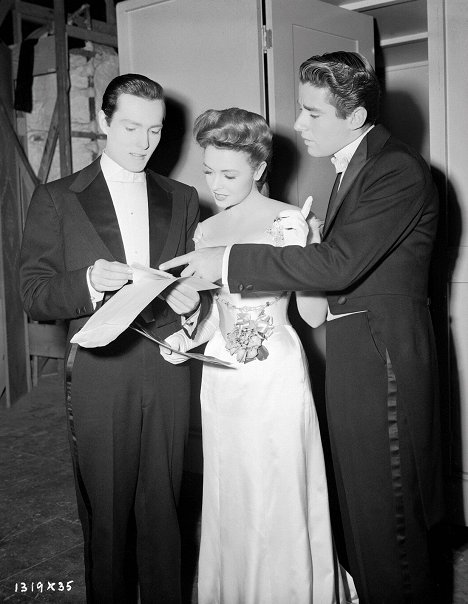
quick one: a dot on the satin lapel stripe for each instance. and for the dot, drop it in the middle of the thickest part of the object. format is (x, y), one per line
(160, 216)
(97, 203)
(68, 382)
(71, 422)
(395, 460)
(331, 201)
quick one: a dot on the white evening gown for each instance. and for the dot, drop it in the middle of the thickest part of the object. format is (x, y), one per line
(266, 536)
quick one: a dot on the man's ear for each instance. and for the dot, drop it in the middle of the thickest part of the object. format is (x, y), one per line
(102, 120)
(358, 118)
(260, 170)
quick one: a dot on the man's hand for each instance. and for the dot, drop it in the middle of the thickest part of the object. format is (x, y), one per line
(294, 227)
(206, 263)
(182, 298)
(108, 276)
(300, 227)
(176, 341)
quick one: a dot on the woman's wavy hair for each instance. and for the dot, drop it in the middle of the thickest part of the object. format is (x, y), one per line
(350, 80)
(236, 129)
(129, 83)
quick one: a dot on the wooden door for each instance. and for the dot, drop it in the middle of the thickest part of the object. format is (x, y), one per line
(299, 30)
(210, 54)
(206, 54)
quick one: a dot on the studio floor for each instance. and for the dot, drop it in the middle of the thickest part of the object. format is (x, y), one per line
(40, 536)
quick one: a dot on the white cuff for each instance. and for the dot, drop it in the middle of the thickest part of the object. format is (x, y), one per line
(189, 323)
(94, 294)
(224, 274)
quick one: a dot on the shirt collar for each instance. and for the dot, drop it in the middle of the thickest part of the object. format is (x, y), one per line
(113, 172)
(342, 157)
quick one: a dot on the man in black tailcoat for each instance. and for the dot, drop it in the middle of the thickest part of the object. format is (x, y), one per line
(127, 408)
(381, 373)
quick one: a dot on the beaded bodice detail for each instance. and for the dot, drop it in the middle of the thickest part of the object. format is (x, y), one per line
(247, 322)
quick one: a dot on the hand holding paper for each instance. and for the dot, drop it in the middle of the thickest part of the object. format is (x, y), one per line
(182, 298)
(175, 342)
(116, 314)
(108, 276)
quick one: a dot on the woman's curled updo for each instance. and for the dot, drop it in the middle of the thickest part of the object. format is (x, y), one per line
(236, 129)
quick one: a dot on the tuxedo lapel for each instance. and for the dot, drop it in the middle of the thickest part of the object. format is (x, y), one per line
(97, 203)
(165, 215)
(159, 216)
(370, 145)
(166, 218)
(91, 191)
(355, 166)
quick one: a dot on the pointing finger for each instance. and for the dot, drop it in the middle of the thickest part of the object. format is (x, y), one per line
(178, 261)
(188, 271)
(307, 205)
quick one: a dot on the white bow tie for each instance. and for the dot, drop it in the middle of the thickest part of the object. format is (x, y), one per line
(340, 163)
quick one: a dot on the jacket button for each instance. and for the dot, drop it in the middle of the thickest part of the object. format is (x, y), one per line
(249, 287)
(78, 311)
(241, 287)
(342, 300)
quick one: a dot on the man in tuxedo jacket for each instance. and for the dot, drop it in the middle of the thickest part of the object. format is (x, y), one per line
(127, 408)
(381, 382)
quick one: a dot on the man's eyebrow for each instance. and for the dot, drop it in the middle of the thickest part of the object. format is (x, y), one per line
(127, 121)
(134, 123)
(313, 109)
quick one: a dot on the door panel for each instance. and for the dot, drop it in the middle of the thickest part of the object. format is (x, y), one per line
(301, 29)
(206, 54)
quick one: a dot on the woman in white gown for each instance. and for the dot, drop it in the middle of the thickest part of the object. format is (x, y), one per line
(266, 536)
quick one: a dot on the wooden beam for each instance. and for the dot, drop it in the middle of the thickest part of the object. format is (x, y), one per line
(63, 88)
(13, 142)
(110, 12)
(90, 135)
(11, 311)
(98, 26)
(93, 36)
(35, 13)
(47, 340)
(5, 7)
(41, 14)
(104, 28)
(17, 29)
(49, 147)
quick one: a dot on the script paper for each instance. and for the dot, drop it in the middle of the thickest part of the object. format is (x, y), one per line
(116, 315)
(188, 355)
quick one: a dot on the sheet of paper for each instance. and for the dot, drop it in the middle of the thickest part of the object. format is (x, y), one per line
(124, 306)
(189, 355)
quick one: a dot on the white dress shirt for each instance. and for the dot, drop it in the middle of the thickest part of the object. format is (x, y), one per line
(130, 199)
